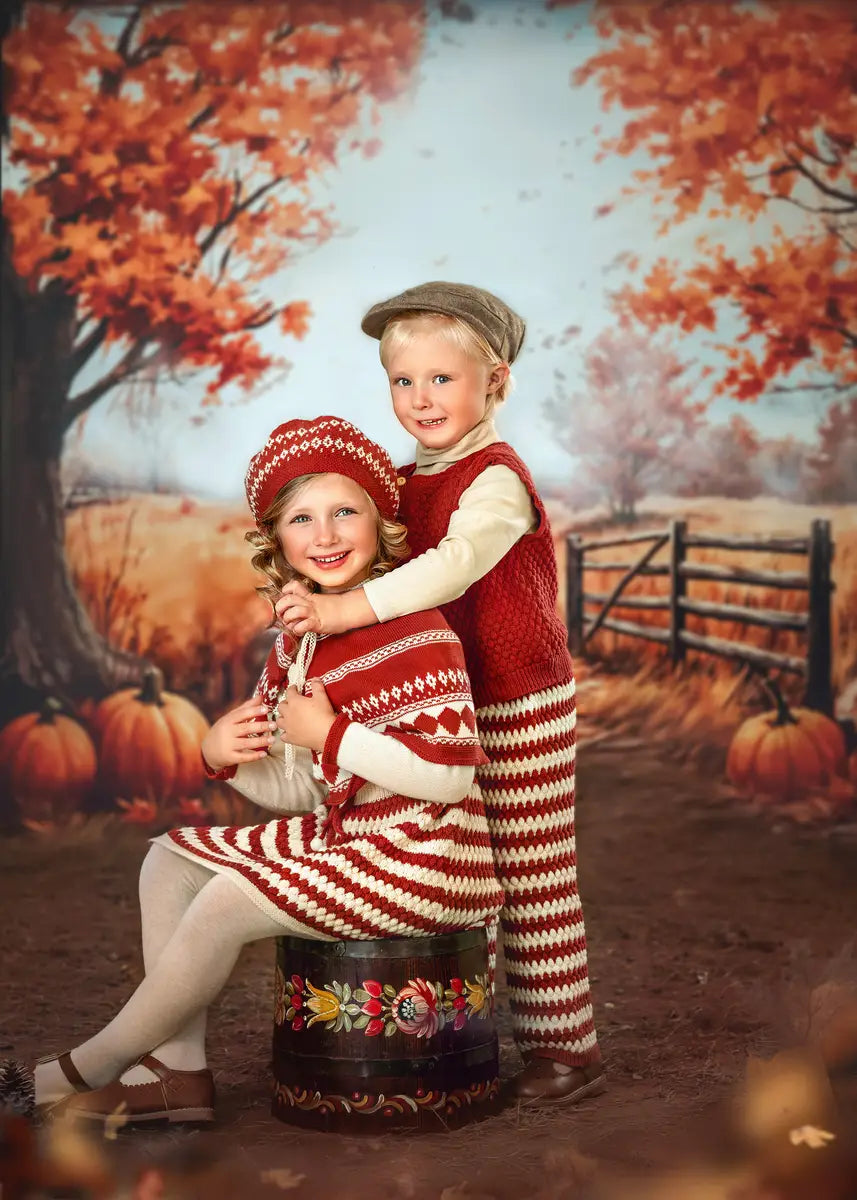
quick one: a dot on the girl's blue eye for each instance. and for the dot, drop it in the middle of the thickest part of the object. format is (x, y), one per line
(349, 512)
(300, 517)
(441, 379)
(402, 382)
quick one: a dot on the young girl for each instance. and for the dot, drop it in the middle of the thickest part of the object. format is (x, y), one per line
(483, 551)
(396, 842)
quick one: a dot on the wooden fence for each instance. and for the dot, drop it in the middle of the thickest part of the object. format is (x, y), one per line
(814, 579)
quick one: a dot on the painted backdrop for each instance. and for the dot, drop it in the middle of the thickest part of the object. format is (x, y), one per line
(201, 200)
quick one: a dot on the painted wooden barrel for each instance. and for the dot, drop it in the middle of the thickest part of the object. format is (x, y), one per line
(390, 1033)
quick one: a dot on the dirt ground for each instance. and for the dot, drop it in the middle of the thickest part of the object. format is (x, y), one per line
(708, 927)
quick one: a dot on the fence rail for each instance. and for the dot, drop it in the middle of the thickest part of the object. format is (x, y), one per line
(815, 580)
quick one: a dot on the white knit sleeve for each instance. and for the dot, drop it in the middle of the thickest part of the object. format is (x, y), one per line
(264, 782)
(492, 515)
(388, 763)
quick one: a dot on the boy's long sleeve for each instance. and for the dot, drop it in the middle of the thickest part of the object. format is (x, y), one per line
(492, 515)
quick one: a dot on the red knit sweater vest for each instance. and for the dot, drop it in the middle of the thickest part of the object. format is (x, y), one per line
(514, 642)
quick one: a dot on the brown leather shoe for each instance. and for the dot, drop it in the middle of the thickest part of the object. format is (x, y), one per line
(52, 1108)
(547, 1081)
(174, 1096)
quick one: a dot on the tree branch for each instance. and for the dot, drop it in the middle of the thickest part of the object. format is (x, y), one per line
(832, 386)
(221, 270)
(769, 171)
(123, 46)
(201, 117)
(82, 353)
(821, 208)
(836, 231)
(844, 332)
(235, 210)
(815, 155)
(150, 49)
(847, 197)
(262, 316)
(131, 364)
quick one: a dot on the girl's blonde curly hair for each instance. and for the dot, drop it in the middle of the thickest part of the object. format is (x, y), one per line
(270, 561)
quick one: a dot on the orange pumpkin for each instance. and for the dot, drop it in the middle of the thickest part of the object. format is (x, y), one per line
(47, 763)
(149, 742)
(785, 753)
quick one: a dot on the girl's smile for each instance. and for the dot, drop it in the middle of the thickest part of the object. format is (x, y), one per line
(329, 533)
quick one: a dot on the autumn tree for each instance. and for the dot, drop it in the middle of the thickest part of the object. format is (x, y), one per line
(781, 466)
(158, 169)
(745, 111)
(635, 412)
(832, 465)
(721, 460)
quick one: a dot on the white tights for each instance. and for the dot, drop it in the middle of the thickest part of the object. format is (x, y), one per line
(194, 923)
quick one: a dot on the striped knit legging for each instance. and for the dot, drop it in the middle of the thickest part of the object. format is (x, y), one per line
(529, 796)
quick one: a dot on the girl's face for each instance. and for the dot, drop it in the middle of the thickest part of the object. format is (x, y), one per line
(329, 533)
(439, 391)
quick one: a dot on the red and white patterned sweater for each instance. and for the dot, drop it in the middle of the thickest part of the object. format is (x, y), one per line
(387, 865)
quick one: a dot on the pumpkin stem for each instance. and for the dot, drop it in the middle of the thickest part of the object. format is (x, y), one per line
(51, 707)
(772, 691)
(153, 682)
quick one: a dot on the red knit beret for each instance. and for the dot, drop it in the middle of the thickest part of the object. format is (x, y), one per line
(325, 445)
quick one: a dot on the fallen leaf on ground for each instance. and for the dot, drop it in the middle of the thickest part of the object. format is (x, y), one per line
(282, 1177)
(810, 1135)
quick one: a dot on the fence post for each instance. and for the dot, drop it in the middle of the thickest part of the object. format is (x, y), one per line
(819, 692)
(678, 588)
(574, 592)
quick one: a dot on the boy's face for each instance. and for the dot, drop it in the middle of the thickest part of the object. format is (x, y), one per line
(439, 392)
(329, 533)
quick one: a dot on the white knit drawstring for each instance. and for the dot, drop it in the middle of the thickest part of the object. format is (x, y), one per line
(302, 662)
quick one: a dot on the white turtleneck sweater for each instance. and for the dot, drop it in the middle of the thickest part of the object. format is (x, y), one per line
(492, 515)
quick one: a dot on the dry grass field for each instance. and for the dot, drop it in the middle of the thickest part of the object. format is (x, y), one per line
(168, 577)
(697, 708)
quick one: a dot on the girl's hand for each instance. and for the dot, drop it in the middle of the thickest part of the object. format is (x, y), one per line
(238, 736)
(306, 720)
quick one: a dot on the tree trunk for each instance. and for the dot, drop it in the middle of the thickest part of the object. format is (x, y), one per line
(49, 643)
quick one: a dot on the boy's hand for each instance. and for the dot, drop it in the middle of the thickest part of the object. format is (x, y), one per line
(306, 720)
(238, 736)
(302, 611)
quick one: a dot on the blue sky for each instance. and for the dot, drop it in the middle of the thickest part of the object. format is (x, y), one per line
(486, 175)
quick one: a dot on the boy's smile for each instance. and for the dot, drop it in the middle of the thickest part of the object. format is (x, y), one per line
(439, 391)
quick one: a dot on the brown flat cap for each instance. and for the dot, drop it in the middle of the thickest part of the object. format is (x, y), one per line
(502, 329)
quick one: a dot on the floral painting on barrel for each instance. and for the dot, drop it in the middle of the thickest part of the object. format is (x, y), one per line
(419, 1009)
(198, 210)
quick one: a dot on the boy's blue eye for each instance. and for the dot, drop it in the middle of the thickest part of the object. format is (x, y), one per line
(441, 379)
(402, 381)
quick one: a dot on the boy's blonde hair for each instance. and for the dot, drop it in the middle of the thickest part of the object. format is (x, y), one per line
(271, 562)
(401, 330)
